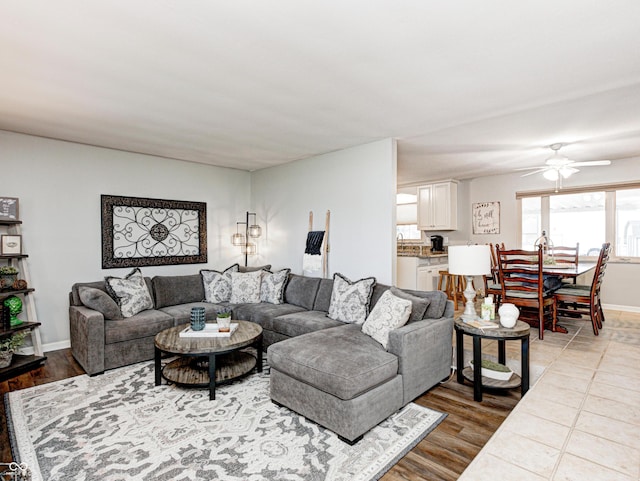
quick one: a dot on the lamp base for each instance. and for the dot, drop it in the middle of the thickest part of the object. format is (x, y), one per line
(469, 313)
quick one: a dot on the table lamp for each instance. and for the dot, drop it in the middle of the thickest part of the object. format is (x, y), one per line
(470, 261)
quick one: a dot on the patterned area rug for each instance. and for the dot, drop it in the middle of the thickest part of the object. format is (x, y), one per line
(121, 426)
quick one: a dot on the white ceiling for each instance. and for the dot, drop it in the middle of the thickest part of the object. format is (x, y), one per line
(468, 87)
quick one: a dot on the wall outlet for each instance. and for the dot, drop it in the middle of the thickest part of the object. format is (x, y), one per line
(445, 240)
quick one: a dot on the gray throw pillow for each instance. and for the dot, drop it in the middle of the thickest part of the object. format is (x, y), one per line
(217, 285)
(100, 301)
(265, 267)
(419, 305)
(131, 293)
(350, 300)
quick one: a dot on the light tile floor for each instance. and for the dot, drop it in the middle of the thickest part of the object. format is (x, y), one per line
(581, 419)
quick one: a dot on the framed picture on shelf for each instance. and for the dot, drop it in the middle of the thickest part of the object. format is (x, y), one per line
(9, 208)
(10, 244)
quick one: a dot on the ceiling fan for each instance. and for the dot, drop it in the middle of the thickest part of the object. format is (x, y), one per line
(558, 167)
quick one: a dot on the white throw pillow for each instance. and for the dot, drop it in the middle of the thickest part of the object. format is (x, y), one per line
(389, 313)
(245, 287)
(350, 300)
(217, 285)
(131, 293)
(272, 288)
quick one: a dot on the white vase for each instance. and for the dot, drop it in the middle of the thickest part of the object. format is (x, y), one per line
(508, 315)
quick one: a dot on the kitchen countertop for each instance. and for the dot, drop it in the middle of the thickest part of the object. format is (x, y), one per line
(426, 256)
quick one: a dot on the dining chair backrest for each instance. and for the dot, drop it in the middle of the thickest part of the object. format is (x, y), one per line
(520, 272)
(601, 267)
(494, 259)
(565, 255)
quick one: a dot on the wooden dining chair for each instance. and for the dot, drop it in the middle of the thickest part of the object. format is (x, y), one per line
(491, 283)
(584, 300)
(522, 283)
(565, 255)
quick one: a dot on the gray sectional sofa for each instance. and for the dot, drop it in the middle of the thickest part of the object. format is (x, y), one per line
(326, 370)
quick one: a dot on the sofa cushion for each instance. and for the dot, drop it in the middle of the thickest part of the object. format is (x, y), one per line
(100, 301)
(217, 285)
(245, 287)
(144, 324)
(263, 313)
(350, 299)
(303, 322)
(323, 298)
(341, 361)
(131, 293)
(419, 305)
(272, 287)
(389, 313)
(174, 290)
(301, 291)
(182, 312)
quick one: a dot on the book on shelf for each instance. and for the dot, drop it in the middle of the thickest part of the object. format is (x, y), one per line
(210, 330)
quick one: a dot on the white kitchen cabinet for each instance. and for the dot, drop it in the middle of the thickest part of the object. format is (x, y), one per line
(406, 268)
(438, 206)
(427, 278)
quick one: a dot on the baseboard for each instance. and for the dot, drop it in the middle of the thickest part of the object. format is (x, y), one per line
(52, 346)
(615, 307)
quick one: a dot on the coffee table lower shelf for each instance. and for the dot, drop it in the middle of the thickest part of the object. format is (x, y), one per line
(193, 371)
(491, 383)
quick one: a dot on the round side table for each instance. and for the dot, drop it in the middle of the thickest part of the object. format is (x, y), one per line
(501, 334)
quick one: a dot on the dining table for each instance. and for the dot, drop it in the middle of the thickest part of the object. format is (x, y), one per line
(568, 270)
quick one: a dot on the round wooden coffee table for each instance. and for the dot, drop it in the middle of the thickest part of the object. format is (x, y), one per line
(205, 361)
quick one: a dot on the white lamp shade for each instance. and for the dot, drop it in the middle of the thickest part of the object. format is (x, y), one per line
(473, 260)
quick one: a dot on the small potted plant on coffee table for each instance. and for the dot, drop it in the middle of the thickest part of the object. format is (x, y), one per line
(8, 346)
(224, 319)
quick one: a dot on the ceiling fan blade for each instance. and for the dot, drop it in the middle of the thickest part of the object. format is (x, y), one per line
(534, 172)
(531, 168)
(590, 163)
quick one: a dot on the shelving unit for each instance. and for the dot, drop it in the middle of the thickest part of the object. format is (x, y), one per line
(21, 362)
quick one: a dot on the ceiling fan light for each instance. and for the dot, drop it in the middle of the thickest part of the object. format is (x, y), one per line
(551, 174)
(566, 172)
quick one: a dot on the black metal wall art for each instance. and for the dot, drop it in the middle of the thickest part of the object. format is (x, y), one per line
(152, 232)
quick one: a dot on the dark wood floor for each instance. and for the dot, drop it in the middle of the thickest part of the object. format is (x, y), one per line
(442, 455)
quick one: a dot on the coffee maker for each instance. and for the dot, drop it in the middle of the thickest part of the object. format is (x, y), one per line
(437, 243)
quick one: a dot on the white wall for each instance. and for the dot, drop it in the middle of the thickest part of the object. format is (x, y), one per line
(619, 287)
(59, 186)
(358, 186)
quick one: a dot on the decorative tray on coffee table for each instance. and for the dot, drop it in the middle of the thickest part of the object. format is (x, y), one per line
(210, 330)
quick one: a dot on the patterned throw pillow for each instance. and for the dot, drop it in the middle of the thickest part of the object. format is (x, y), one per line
(131, 293)
(390, 312)
(272, 288)
(350, 300)
(217, 285)
(245, 287)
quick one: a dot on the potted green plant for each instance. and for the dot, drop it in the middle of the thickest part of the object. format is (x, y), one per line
(8, 346)
(224, 319)
(8, 275)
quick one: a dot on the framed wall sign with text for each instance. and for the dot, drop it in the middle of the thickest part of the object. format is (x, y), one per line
(9, 208)
(486, 218)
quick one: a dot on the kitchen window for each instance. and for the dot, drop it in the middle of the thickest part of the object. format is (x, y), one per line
(589, 216)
